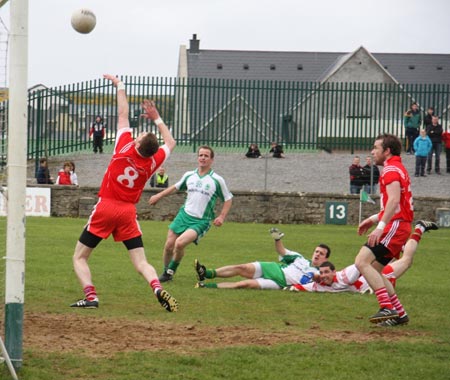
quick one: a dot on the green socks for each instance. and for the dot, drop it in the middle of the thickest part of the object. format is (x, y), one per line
(173, 265)
(210, 273)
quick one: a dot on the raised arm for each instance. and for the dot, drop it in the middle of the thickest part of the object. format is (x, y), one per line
(122, 102)
(151, 112)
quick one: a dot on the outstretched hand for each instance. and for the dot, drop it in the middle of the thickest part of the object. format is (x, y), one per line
(153, 200)
(364, 226)
(112, 78)
(218, 221)
(150, 110)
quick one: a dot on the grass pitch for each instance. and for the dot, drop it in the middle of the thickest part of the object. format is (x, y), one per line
(224, 334)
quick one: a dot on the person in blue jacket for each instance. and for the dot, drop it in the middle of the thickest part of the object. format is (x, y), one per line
(422, 146)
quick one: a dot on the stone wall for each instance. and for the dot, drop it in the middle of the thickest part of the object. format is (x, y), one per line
(258, 207)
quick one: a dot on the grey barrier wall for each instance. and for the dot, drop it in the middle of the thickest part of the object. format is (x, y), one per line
(249, 207)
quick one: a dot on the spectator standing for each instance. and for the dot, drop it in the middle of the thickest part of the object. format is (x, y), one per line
(98, 130)
(412, 121)
(446, 140)
(434, 131)
(356, 176)
(422, 146)
(253, 151)
(276, 150)
(160, 179)
(43, 174)
(428, 117)
(371, 176)
(64, 175)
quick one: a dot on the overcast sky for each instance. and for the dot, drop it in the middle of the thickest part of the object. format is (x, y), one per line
(142, 37)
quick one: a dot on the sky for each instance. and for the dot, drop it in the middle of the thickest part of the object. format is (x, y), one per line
(143, 37)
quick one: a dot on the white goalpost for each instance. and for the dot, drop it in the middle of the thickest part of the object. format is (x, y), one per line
(5, 357)
(16, 183)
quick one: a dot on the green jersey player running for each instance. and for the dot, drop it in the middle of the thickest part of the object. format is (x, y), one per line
(203, 187)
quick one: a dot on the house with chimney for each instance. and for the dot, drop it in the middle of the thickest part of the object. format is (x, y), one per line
(306, 97)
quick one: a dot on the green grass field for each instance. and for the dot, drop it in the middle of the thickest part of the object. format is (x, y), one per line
(225, 334)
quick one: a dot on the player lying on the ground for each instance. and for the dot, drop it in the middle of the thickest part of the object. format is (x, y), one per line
(291, 269)
(346, 280)
(349, 279)
(303, 273)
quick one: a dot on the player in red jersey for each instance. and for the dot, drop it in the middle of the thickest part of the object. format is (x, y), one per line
(133, 163)
(350, 280)
(386, 241)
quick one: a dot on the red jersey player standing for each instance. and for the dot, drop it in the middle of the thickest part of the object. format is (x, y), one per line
(133, 163)
(394, 227)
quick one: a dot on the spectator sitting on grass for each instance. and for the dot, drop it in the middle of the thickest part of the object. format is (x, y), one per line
(277, 150)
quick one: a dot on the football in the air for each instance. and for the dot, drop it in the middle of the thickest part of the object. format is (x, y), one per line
(83, 20)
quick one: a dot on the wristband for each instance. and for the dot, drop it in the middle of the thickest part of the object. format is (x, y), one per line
(158, 121)
(120, 86)
(374, 218)
(381, 225)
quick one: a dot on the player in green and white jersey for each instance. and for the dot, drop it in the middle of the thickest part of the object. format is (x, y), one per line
(203, 186)
(292, 268)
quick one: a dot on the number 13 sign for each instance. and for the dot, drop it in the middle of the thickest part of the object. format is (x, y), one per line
(336, 213)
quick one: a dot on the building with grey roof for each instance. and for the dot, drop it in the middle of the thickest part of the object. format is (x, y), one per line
(306, 98)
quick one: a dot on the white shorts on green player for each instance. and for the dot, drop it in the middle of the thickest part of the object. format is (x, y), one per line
(290, 270)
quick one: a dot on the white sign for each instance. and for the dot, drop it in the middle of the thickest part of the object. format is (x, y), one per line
(37, 201)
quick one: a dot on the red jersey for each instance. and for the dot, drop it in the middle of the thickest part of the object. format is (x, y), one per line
(395, 171)
(128, 171)
(446, 139)
(63, 178)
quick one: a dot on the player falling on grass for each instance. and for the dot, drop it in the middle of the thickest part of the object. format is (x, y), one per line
(350, 280)
(292, 268)
(203, 186)
(133, 163)
(386, 241)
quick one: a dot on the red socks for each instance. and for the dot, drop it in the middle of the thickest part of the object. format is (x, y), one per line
(416, 235)
(155, 285)
(383, 298)
(90, 293)
(388, 272)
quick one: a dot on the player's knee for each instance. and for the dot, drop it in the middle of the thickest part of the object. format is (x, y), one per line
(245, 270)
(360, 263)
(181, 242)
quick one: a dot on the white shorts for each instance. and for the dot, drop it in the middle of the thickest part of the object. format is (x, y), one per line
(263, 283)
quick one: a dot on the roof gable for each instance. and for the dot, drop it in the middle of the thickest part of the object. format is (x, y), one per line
(359, 66)
(316, 66)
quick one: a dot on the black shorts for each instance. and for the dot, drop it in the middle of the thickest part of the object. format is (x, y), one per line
(382, 254)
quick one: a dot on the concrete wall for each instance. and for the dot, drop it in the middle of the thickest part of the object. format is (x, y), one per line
(259, 207)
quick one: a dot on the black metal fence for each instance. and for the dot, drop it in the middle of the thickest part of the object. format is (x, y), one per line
(228, 113)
